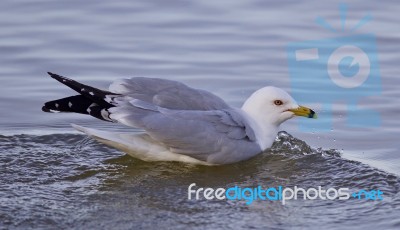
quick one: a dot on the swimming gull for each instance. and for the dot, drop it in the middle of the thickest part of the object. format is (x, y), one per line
(180, 123)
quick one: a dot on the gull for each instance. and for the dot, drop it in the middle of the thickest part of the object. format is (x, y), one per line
(180, 123)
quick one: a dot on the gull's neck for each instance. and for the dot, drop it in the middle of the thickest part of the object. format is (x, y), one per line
(265, 131)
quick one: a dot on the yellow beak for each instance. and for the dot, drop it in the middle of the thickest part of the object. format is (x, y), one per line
(304, 112)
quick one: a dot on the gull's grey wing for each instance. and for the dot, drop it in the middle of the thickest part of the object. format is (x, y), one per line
(167, 94)
(213, 136)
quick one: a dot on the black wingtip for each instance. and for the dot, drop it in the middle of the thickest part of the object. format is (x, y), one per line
(53, 75)
(63, 80)
(93, 94)
(45, 109)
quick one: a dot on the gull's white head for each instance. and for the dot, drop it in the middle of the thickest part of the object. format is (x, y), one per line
(273, 105)
(270, 106)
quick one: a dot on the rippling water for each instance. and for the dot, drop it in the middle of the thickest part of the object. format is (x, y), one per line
(48, 183)
(51, 177)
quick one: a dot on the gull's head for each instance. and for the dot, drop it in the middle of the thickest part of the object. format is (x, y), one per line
(273, 106)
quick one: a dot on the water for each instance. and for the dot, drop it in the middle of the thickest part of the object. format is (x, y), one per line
(53, 177)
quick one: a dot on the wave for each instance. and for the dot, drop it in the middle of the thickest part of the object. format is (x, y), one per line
(73, 175)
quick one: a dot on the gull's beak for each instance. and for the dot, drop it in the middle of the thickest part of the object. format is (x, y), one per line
(304, 112)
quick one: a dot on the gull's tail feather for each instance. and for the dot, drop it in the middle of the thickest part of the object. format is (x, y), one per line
(91, 101)
(117, 140)
(138, 145)
(112, 139)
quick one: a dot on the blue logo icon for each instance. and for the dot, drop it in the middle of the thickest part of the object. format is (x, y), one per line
(339, 69)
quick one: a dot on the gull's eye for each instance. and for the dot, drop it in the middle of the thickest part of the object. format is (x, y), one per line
(278, 102)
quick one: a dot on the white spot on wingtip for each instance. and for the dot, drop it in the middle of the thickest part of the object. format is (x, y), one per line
(90, 106)
(70, 104)
(64, 80)
(83, 89)
(91, 93)
(57, 105)
(109, 98)
(105, 114)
